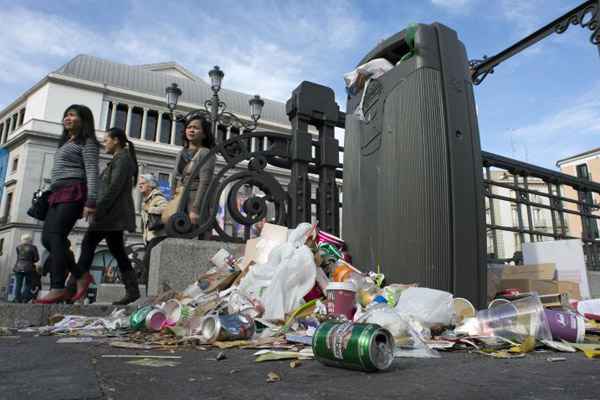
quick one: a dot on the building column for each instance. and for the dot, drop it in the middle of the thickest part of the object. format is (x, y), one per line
(158, 127)
(173, 129)
(128, 120)
(113, 114)
(144, 118)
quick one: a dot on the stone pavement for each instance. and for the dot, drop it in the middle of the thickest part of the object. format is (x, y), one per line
(39, 368)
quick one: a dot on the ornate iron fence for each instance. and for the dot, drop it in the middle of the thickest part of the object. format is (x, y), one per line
(527, 203)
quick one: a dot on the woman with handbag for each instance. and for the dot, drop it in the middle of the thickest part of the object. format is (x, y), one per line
(72, 194)
(198, 141)
(153, 204)
(115, 212)
(27, 256)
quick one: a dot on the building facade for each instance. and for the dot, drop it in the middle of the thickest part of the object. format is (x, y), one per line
(130, 97)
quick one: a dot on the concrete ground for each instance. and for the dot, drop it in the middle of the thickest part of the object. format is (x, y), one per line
(40, 368)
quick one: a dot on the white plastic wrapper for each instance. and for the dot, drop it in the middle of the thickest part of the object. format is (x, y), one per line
(428, 306)
(372, 69)
(287, 276)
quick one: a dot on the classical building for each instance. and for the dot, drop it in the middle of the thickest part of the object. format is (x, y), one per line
(130, 97)
(584, 166)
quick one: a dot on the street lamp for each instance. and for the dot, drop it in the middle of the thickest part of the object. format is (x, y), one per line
(214, 108)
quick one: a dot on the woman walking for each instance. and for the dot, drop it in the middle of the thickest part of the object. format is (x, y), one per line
(73, 187)
(115, 212)
(153, 204)
(197, 144)
(27, 256)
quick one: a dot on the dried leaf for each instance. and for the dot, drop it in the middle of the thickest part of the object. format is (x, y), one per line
(273, 377)
(527, 346)
(501, 354)
(590, 350)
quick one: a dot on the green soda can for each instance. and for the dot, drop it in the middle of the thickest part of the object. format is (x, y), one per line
(137, 320)
(365, 347)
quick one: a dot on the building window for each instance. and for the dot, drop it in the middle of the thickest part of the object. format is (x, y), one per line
(2, 131)
(109, 115)
(179, 132)
(162, 177)
(21, 116)
(8, 206)
(1, 246)
(15, 118)
(15, 165)
(165, 128)
(583, 172)
(135, 131)
(151, 122)
(121, 118)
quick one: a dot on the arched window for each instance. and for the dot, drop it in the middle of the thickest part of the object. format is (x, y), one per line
(135, 130)
(151, 120)
(165, 128)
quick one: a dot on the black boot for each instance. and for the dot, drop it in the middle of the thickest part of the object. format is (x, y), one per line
(132, 290)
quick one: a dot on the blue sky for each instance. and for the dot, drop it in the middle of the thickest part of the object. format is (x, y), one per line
(541, 106)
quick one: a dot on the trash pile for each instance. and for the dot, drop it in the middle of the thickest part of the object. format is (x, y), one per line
(295, 295)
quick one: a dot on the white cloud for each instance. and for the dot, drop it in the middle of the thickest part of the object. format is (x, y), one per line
(453, 5)
(560, 134)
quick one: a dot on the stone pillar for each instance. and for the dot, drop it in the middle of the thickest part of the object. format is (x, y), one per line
(128, 121)
(113, 114)
(158, 127)
(144, 122)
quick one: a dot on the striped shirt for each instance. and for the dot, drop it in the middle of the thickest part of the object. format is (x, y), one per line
(76, 161)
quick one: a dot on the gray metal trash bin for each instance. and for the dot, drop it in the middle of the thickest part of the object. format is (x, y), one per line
(413, 197)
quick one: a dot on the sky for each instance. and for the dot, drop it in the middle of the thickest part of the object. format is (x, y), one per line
(540, 106)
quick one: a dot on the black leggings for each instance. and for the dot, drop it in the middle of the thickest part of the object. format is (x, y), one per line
(116, 246)
(60, 220)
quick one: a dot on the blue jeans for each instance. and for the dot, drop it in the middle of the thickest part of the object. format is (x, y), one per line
(23, 293)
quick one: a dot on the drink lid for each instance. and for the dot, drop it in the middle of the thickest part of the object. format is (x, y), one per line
(341, 286)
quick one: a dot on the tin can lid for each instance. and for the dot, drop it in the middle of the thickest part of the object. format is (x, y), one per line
(211, 326)
(341, 286)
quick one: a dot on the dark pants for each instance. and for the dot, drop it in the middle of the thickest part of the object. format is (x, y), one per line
(116, 246)
(23, 292)
(149, 246)
(60, 220)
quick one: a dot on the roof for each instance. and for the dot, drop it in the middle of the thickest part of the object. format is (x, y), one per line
(587, 153)
(143, 79)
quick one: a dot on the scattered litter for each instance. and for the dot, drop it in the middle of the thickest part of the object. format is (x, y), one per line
(295, 364)
(75, 340)
(221, 356)
(555, 359)
(152, 362)
(560, 346)
(131, 345)
(273, 377)
(138, 356)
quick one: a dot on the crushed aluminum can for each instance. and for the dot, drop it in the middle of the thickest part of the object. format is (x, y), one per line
(365, 347)
(227, 327)
(137, 320)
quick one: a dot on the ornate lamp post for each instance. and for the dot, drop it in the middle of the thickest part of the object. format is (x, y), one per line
(214, 108)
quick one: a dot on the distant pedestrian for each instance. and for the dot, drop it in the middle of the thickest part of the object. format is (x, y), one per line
(27, 256)
(73, 189)
(115, 211)
(154, 202)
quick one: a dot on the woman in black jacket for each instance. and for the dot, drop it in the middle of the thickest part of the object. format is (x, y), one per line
(115, 212)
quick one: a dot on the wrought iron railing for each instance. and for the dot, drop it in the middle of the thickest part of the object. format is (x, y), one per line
(527, 203)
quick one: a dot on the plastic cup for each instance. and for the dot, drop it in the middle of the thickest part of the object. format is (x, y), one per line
(341, 297)
(516, 320)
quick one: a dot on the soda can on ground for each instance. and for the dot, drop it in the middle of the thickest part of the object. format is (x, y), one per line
(227, 327)
(365, 347)
(137, 320)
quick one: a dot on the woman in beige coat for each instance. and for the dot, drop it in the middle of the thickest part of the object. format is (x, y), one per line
(153, 204)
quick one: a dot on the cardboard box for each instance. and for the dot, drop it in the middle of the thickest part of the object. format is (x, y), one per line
(532, 271)
(542, 287)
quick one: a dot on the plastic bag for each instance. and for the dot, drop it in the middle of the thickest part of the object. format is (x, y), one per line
(409, 343)
(288, 275)
(373, 69)
(428, 306)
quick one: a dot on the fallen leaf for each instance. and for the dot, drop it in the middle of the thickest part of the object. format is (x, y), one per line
(295, 364)
(273, 377)
(590, 350)
(501, 354)
(527, 346)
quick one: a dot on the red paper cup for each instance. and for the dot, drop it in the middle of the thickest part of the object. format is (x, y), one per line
(341, 299)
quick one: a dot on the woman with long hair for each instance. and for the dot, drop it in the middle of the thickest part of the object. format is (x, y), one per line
(73, 187)
(115, 212)
(198, 141)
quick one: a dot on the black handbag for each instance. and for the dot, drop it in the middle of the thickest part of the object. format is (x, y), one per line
(154, 222)
(39, 205)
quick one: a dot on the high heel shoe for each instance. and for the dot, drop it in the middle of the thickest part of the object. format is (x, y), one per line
(53, 300)
(89, 279)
